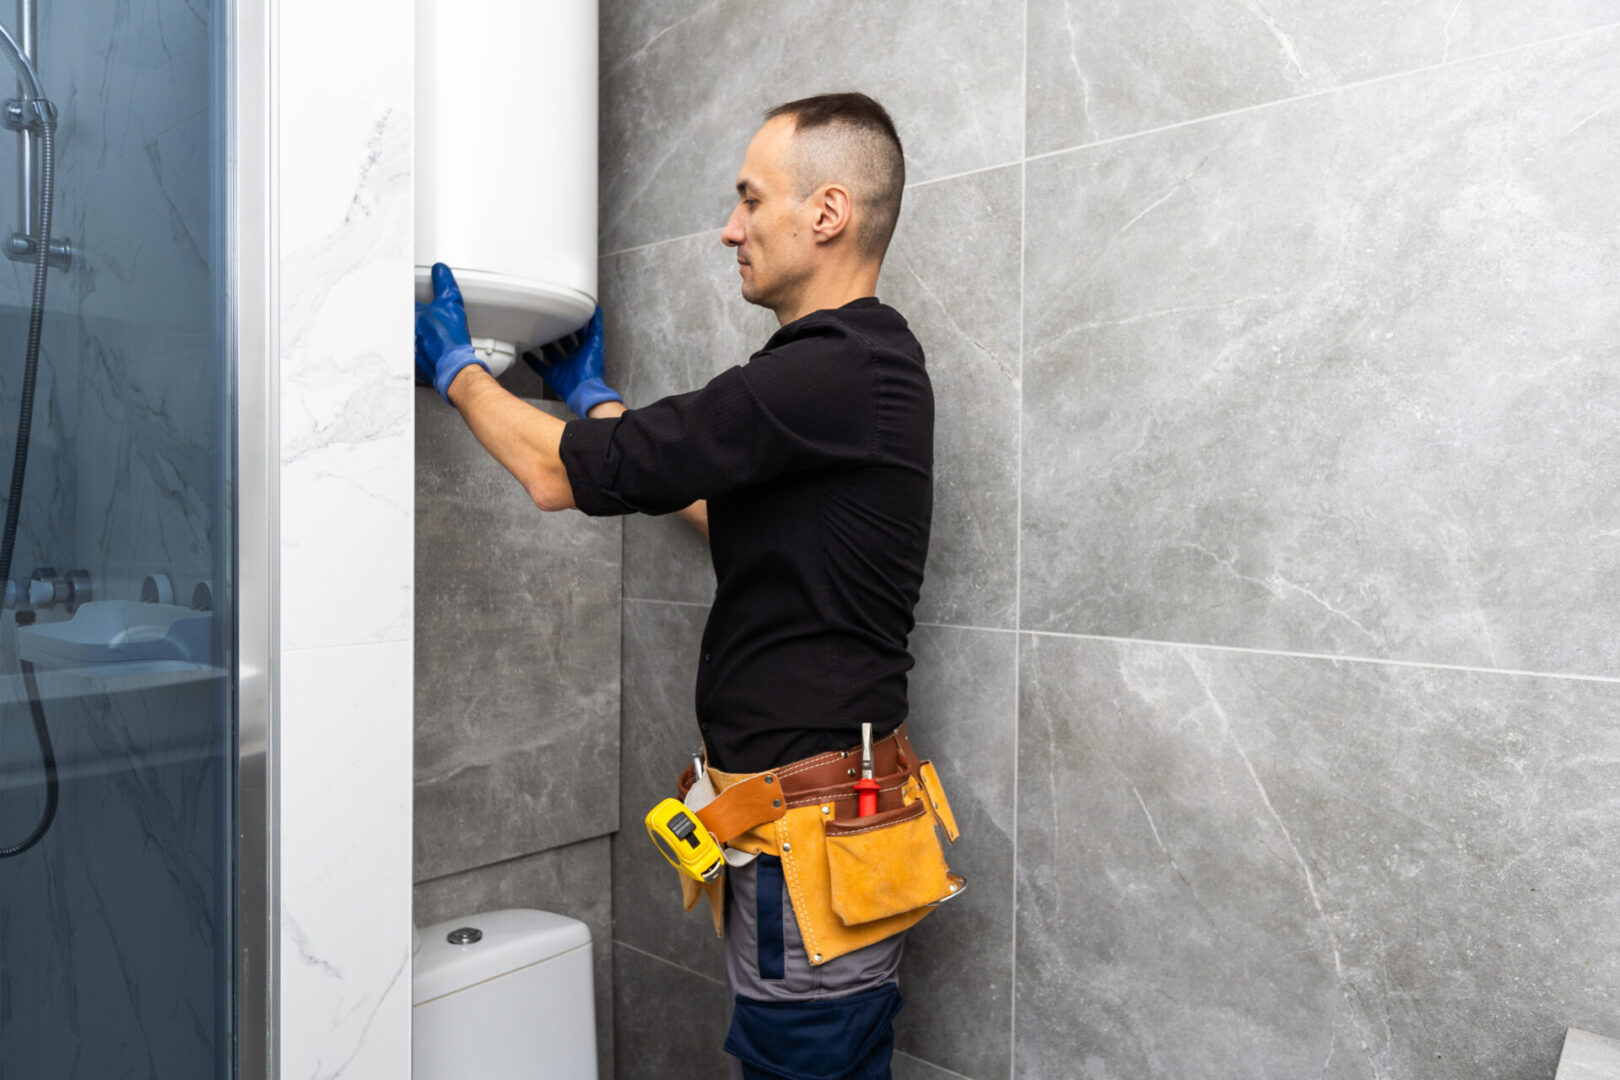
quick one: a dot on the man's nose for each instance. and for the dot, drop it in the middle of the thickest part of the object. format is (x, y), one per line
(732, 235)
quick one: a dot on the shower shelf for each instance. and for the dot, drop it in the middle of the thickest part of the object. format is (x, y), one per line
(123, 644)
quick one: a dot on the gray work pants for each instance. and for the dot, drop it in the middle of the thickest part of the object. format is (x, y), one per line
(787, 974)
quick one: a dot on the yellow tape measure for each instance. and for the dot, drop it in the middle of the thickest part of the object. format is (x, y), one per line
(681, 838)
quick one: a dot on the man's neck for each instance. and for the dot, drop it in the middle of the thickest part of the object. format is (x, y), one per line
(829, 292)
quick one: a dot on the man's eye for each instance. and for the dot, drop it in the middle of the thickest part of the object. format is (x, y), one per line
(750, 203)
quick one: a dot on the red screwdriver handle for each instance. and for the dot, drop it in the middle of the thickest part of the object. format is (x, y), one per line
(866, 797)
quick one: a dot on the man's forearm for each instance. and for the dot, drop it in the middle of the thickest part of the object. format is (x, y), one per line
(523, 439)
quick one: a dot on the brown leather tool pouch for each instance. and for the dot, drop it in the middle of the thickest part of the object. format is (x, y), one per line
(885, 864)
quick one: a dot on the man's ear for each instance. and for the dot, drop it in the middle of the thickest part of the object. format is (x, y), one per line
(834, 209)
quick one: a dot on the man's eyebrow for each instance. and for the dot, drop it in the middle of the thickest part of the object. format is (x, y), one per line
(742, 187)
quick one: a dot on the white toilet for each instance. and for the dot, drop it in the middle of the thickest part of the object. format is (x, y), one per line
(503, 996)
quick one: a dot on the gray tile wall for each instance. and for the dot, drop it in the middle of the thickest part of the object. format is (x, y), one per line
(517, 674)
(1267, 638)
(517, 694)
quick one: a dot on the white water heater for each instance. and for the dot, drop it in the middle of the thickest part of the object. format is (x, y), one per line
(506, 165)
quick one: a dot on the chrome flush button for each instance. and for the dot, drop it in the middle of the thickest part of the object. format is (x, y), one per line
(466, 935)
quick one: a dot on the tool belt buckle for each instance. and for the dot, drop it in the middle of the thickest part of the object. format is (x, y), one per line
(701, 794)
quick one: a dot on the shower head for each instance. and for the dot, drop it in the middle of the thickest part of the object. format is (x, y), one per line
(25, 69)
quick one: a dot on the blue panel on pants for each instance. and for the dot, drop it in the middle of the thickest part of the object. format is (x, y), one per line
(768, 908)
(846, 1038)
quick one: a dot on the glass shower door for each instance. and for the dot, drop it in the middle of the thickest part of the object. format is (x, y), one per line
(117, 724)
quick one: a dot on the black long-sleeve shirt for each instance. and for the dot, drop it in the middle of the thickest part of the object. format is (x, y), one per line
(816, 458)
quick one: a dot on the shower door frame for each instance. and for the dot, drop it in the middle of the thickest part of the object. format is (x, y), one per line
(251, 325)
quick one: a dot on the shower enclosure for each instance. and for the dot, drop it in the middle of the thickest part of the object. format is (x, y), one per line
(119, 650)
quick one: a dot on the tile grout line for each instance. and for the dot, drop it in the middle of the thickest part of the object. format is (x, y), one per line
(436, 878)
(1344, 657)
(1018, 550)
(654, 600)
(1347, 658)
(1025, 157)
(297, 649)
(671, 963)
(660, 243)
(970, 626)
(1324, 92)
(933, 1065)
(966, 172)
(1334, 657)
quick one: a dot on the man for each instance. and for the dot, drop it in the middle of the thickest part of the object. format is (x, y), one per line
(810, 470)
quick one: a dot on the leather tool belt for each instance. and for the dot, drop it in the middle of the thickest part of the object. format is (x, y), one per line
(853, 881)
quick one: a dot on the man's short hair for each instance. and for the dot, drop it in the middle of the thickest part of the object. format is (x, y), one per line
(849, 139)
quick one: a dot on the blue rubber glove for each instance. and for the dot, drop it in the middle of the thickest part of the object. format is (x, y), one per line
(443, 346)
(572, 367)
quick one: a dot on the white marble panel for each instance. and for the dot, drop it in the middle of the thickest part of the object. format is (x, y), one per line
(346, 527)
(346, 429)
(346, 315)
(346, 862)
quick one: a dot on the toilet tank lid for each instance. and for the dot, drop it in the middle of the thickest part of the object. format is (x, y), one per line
(512, 939)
